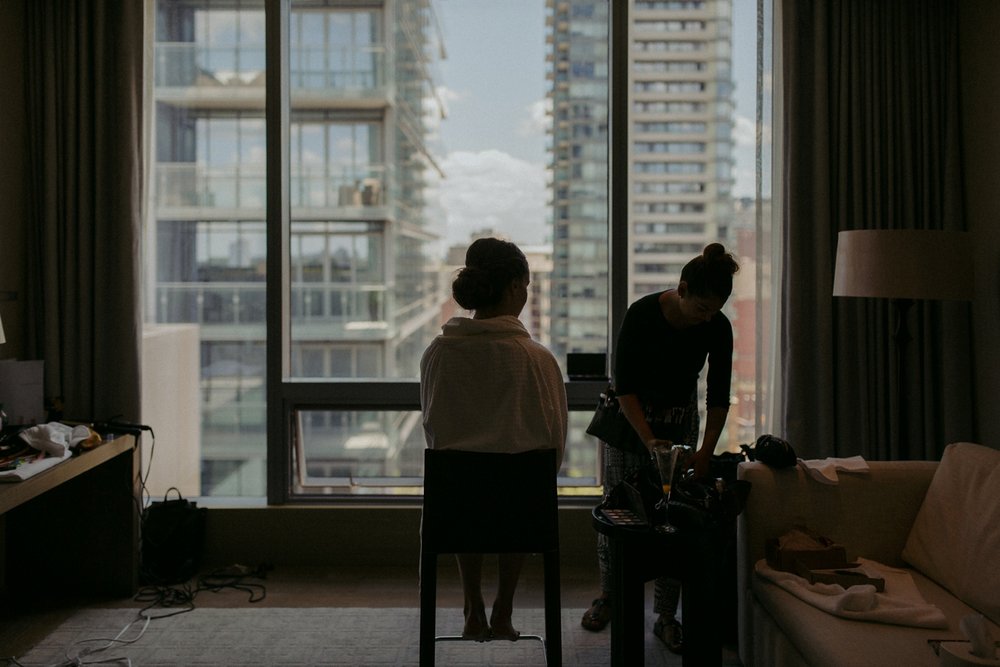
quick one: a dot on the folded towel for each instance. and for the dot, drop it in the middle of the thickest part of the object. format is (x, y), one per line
(900, 604)
(825, 470)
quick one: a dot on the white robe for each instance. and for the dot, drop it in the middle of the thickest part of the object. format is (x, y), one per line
(485, 385)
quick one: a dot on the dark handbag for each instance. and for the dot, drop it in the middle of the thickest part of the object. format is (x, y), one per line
(610, 425)
(699, 503)
(771, 451)
(173, 539)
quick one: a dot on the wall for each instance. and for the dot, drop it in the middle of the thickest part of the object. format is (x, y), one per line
(980, 53)
(354, 535)
(171, 409)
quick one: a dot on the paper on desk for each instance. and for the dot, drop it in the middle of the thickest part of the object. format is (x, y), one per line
(26, 470)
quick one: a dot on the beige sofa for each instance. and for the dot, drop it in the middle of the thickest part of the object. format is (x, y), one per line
(940, 520)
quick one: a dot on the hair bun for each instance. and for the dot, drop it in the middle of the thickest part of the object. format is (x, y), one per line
(714, 250)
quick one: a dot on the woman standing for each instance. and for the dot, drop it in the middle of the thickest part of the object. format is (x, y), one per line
(486, 386)
(664, 343)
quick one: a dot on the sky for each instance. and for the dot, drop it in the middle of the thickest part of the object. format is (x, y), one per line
(491, 143)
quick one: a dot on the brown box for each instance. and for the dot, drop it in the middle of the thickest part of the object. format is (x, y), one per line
(829, 556)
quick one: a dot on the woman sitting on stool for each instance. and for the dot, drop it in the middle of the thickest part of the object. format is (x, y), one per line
(486, 386)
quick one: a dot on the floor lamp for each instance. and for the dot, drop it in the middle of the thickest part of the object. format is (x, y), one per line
(903, 265)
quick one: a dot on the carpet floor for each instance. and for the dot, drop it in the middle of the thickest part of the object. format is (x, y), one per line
(209, 637)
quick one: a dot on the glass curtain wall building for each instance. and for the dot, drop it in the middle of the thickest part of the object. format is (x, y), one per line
(363, 300)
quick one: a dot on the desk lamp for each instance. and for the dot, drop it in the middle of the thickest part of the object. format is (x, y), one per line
(903, 265)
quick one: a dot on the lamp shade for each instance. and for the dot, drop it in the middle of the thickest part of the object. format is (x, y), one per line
(904, 264)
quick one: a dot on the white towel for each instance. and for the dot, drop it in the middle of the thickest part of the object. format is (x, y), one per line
(54, 438)
(900, 604)
(825, 470)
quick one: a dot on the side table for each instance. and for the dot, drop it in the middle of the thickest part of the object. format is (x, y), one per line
(641, 554)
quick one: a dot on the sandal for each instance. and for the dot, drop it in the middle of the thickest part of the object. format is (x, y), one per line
(669, 632)
(598, 616)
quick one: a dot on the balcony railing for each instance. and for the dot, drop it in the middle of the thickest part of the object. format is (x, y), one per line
(191, 185)
(359, 70)
(319, 312)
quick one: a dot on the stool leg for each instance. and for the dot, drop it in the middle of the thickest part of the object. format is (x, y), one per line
(428, 607)
(553, 611)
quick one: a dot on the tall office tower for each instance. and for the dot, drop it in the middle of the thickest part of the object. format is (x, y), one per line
(363, 301)
(679, 151)
(578, 71)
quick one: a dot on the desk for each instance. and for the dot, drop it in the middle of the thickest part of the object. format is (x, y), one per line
(74, 528)
(639, 555)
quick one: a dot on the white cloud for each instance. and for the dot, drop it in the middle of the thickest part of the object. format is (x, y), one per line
(745, 132)
(538, 119)
(492, 189)
(448, 95)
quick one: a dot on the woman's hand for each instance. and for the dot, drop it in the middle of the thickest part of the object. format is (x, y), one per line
(701, 462)
(657, 442)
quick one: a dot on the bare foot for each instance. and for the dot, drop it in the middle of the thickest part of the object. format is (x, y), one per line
(476, 627)
(501, 627)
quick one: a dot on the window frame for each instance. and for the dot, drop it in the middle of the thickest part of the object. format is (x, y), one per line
(287, 395)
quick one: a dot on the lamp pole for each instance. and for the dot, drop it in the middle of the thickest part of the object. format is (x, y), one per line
(901, 337)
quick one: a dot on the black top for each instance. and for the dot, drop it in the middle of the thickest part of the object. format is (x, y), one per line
(661, 364)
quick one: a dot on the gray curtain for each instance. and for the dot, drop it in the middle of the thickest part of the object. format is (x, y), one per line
(83, 75)
(871, 141)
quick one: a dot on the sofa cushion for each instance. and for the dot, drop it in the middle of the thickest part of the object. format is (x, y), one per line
(824, 639)
(954, 539)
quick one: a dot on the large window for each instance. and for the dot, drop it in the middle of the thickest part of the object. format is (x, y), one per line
(409, 128)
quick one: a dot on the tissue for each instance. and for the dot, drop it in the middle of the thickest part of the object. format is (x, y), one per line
(983, 645)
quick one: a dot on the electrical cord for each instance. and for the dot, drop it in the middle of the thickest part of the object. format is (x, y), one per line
(171, 601)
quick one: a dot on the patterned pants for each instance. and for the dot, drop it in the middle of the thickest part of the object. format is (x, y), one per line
(680, 425)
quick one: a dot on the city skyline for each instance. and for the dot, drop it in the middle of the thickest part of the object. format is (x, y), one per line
(494, 137)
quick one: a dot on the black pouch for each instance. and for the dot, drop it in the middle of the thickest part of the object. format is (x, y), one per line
(699, 503)
(610, 425)
(173, 540)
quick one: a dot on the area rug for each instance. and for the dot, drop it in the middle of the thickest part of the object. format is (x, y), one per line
(310, 637)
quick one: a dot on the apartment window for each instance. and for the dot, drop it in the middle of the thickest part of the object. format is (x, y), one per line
(676, 127)
(396, 160)
(668, 147)
(669, 86)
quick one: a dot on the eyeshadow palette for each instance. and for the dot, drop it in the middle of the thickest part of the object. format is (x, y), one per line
(623, 517)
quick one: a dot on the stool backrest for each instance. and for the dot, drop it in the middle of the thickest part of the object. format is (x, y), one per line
(479, 502)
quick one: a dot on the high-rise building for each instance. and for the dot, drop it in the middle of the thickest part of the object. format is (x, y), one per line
(578, 72)
(679, 152)
(364, 301)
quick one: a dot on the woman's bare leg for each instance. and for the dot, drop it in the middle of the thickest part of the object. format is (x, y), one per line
(509, 571)
(470, 567)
